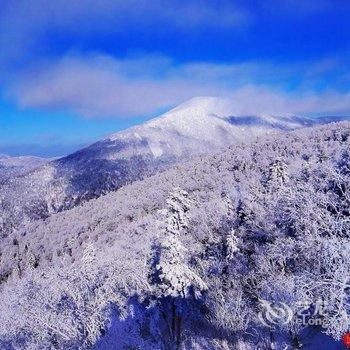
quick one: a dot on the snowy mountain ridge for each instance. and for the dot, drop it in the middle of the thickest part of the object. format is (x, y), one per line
(14, 166)
(200, 126)
(22, 161)
(205, 123)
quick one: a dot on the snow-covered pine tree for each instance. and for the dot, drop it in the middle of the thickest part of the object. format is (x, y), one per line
(89, 260)
(278, 173)
(175, 277)
(172, 276)
(178, 205)
(32, 260)
(231, 244)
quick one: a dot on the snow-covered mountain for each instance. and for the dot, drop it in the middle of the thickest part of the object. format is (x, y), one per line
(199, 126)
(27, 162)
(188, 256)
(13, 166)
(202, 125)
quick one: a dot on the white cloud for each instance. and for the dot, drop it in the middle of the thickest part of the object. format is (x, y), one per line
(258, 100)
(100, 86)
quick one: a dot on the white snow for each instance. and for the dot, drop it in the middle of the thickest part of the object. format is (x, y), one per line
(22, 161)
(201, 125)
(156, 149)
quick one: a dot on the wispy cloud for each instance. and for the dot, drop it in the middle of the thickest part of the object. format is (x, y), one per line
(100, 86)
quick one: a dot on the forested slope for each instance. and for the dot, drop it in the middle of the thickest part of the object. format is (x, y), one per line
(184, 259)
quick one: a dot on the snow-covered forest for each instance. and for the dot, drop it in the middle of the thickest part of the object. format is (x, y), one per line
(199, 126)
(13, 166)
(186, 258)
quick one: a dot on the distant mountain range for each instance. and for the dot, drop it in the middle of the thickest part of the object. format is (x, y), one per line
(199, 126)
(13, 166)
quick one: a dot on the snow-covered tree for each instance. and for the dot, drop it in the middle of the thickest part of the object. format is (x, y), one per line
(232, 244)
(171, 273)
(88, 261)
(175, 277)
(278, 173)
(178, 205)
(67, 306)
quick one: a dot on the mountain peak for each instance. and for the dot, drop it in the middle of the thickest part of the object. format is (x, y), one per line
(204, 102)
(198, 107)
(200, 125)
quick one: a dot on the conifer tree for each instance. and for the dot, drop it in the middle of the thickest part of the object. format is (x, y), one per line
(172, 276)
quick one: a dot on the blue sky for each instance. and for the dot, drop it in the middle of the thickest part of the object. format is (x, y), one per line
(74, 71)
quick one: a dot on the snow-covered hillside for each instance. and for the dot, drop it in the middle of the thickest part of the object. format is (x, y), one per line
(182, 259)
(199, 126)
(13, 166)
